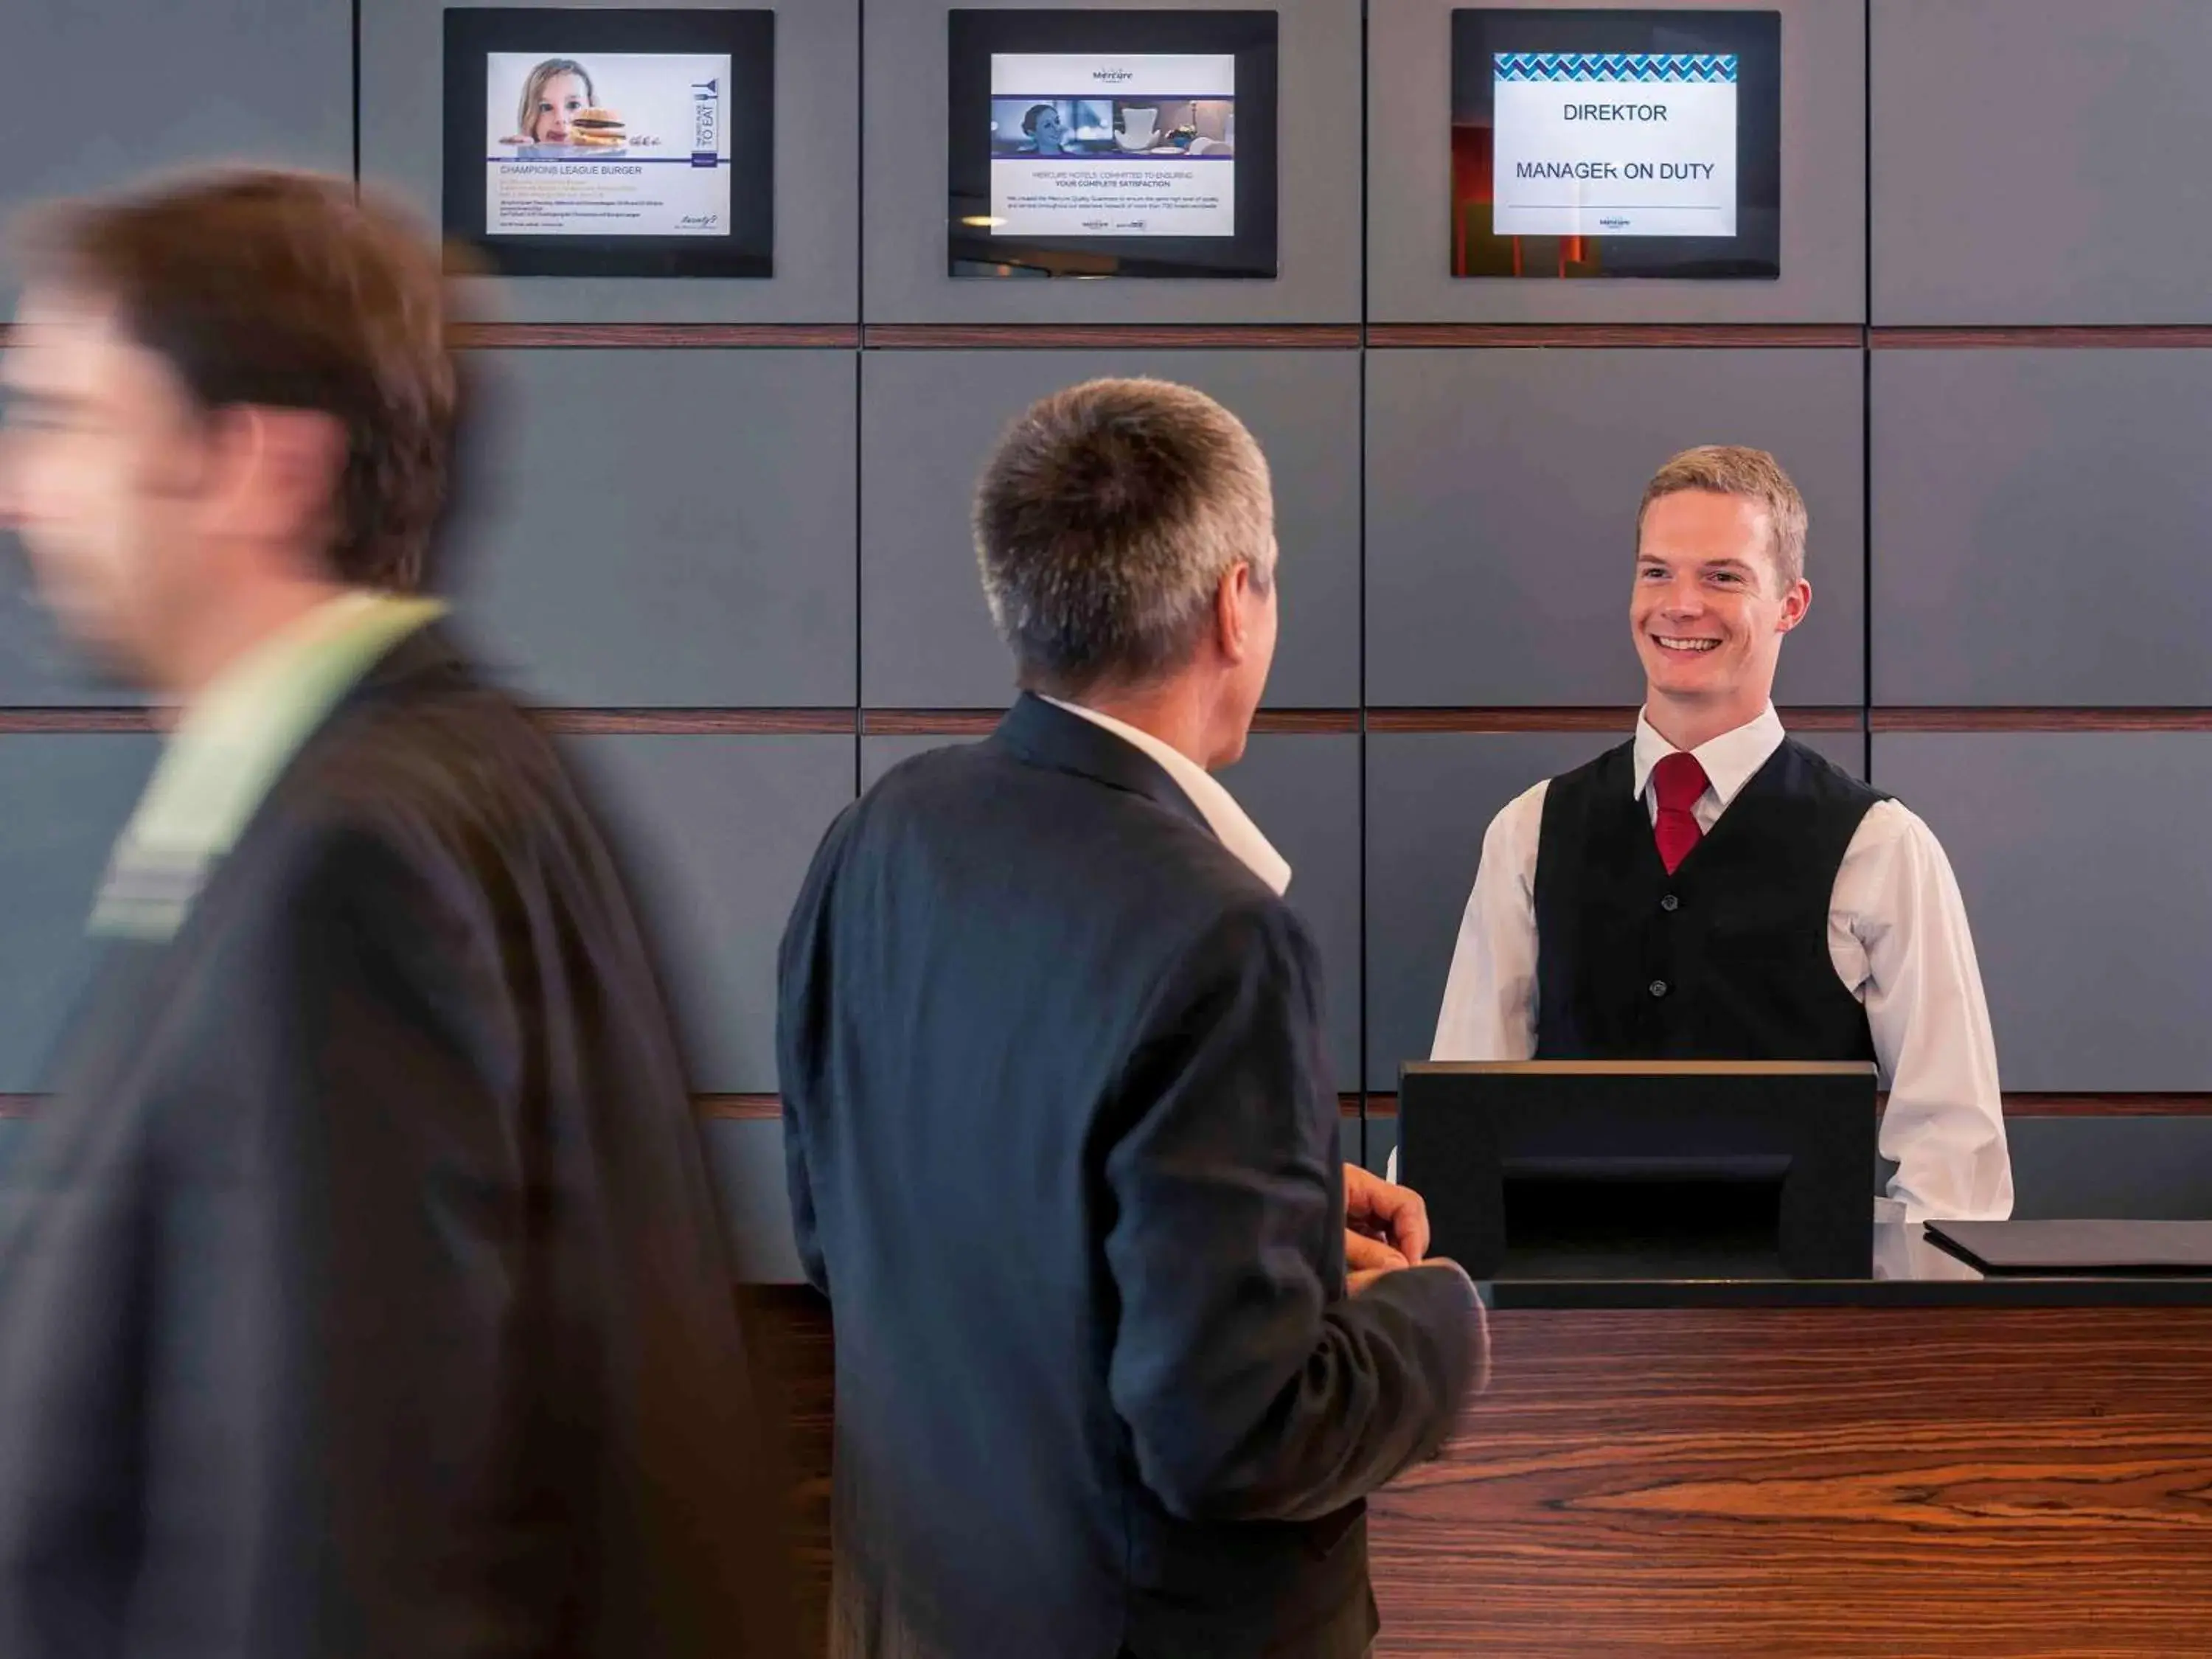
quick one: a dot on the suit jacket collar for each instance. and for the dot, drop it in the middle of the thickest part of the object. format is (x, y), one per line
(427, 655)
(1051, 737)
(234, 747)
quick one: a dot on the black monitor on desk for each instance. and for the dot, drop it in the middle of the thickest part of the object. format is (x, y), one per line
(1643, 1169)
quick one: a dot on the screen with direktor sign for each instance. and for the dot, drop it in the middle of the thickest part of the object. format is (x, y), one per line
(1616, 143)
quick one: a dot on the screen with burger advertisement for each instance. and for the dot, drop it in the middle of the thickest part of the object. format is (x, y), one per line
(613, 144)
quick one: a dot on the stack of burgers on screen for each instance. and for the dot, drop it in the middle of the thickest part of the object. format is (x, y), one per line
(597, 129)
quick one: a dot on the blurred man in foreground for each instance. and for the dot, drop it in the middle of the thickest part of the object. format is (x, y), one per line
(1062, 1141)
(360, 1292)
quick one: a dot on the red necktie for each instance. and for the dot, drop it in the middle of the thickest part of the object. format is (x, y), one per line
(1678, 781)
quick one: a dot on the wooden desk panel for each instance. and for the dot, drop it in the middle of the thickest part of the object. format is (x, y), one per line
(1831, 1482)
(1817, 1481)
(790, 1326)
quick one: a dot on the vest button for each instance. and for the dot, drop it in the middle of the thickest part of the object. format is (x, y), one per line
(1670, 903)
(1658, 987)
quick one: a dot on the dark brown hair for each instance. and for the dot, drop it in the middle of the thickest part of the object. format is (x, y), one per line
(1104, 522)
(285, 291)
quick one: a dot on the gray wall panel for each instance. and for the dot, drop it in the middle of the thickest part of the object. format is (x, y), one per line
(103, 91)
(2152, 1168)
(39, 668)
(1302, 791)
(210, 80)
(1349, 1141)
(2038, 526)
(746, 1158)
(2081, 858)
(1823, 184)
(1429, 798)
(715, 834)
(928, 422)
(692, 543)
(817, 173)
(68, 798)
(1382, 1140)
(1501, 509)
(908, 192)
(2035, 161)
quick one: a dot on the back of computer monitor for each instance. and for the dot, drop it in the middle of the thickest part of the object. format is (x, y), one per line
(1643, 1169)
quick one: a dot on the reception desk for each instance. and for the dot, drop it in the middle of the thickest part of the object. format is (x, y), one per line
(1925, 1463)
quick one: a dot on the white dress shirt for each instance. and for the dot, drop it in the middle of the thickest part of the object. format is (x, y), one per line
(1897, 935)
(1231, 825)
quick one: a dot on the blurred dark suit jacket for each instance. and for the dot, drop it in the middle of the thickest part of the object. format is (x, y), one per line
(1063, 1153)
(361, 1294)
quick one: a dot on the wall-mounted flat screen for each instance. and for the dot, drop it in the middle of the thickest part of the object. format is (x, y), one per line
(1113, 144)
(1616, 143)
(626, 144)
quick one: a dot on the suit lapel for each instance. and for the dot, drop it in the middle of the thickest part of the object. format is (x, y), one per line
(1039, 733)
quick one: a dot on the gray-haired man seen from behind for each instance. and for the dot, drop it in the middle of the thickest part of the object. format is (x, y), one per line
(1062, 1139)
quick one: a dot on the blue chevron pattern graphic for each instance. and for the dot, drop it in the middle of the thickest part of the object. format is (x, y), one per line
(1657, 68)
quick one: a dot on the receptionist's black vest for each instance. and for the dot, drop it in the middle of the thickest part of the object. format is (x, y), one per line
(1725, 959)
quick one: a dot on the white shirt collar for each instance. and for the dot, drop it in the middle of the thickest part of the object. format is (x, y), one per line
(1228, 821)
(1730, 759)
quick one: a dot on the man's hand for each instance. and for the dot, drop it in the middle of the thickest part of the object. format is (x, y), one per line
(1357, 1282)
(1385, 1225)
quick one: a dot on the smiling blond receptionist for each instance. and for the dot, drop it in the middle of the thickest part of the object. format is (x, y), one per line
(1714, 890)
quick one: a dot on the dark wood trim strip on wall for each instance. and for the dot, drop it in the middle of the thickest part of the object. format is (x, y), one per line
(751, 1108)
(1312, 722)
(981, 722)
(758, 1109)
(701, 722)
(2125, 337)
(930, 722)
(754, 1108)
(1621, 721)
(707, 722)
(745, 1108)
(1834, 336)
(1310, 337)
(672, 722)
(653, 336)
(2042, 719)
(16, 722)
(2088, 1105)
(2018, 1105)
